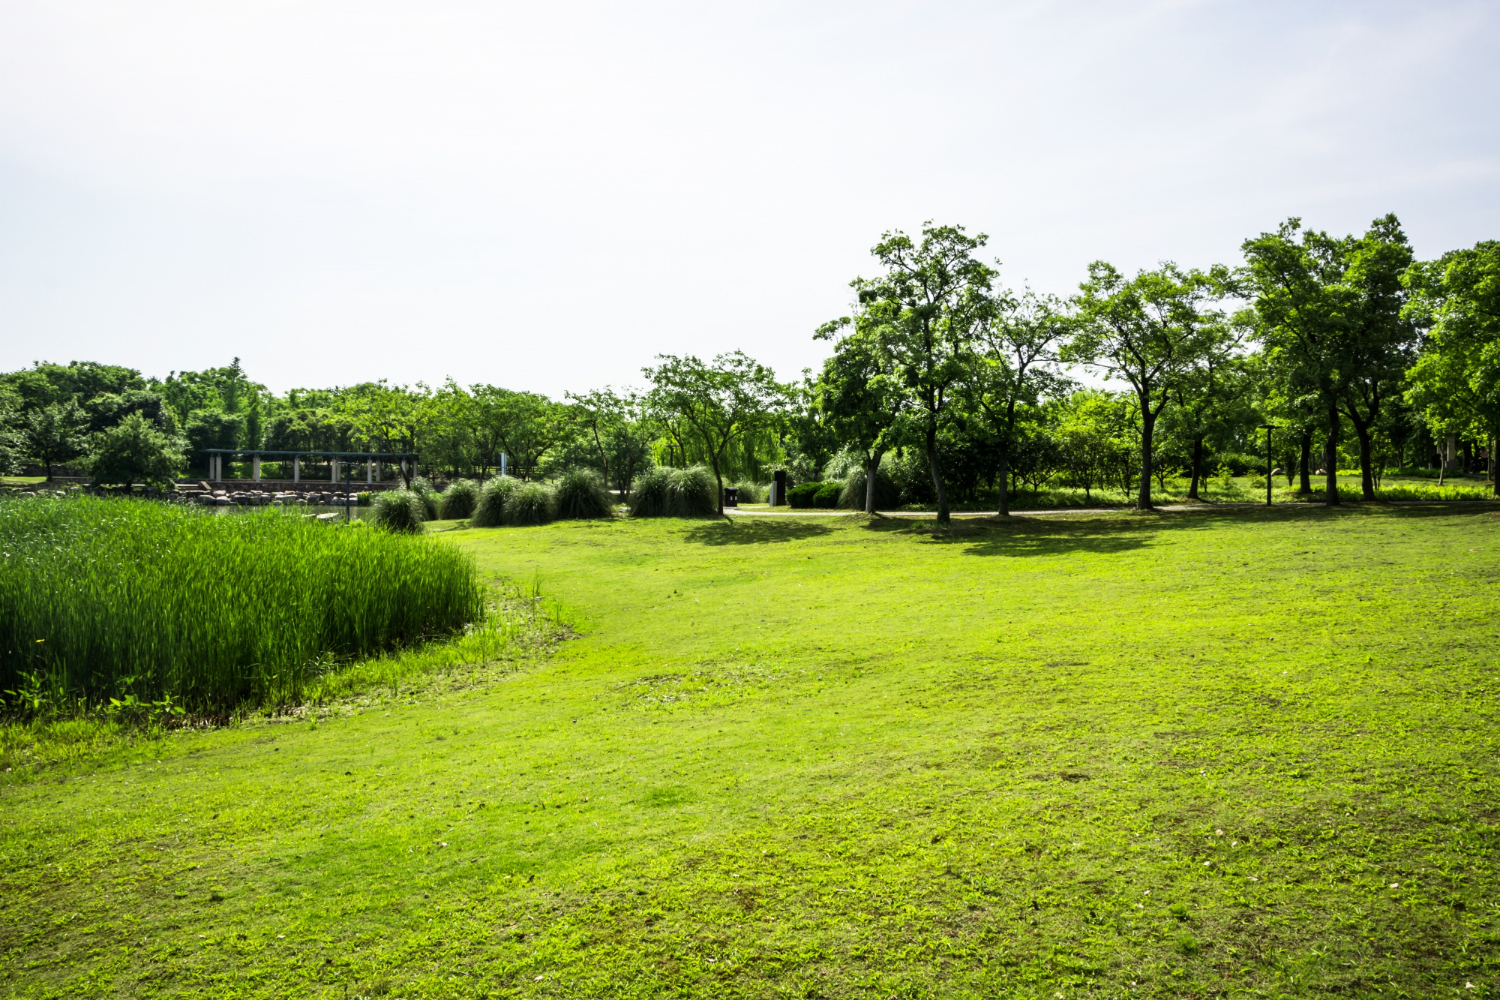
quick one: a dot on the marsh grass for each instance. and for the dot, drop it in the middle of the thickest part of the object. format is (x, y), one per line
(663, 492)
(458, 500)
(489, 508)
(532, 504)
(119, 599)
(581, 495)
(400, 510)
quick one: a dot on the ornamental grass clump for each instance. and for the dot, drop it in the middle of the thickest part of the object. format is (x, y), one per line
(852, 492)
(458, 500)
(675, 493)
(399, 510)
(431, 498)
(533, 503)
(489, 508)
(581, 495)
(109, 598)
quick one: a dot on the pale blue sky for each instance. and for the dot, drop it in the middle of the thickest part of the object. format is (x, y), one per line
(544, 196)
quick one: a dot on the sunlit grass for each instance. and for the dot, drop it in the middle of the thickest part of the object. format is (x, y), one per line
(124, 599)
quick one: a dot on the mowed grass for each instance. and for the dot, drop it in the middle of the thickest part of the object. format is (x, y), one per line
(1226, 753)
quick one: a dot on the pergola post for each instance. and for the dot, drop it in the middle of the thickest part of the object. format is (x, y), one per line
(369, 470)
(217, 467)
(255, 467)
(296, 468)
(335, 464)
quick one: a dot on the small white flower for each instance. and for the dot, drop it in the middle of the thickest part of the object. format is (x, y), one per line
(1395, 885)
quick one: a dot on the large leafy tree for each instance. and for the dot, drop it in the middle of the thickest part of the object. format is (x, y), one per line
(136, 451)
(1456, 379)
(1211, 394)
(925, 312)
(1152, 331)
(721, 400)
(1014, 368)
(861, 399)
(1331, 313)
(530, 425)
(55, 433)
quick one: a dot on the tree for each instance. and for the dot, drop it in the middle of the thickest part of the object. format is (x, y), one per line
(924, 313)
(861, 399)
(1331, 314)
(55, 433)
(1152, 331)
(720, 400)
(1014, 368)
(1379, 338)
(135, 451)
(600, 415)
(1211, 392)
(1456, 378)
(530, 424)
(389, 418)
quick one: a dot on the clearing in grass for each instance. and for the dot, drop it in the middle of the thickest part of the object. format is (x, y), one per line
(1191, 754)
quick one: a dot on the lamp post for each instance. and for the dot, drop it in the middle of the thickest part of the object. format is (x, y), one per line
(1268, 427)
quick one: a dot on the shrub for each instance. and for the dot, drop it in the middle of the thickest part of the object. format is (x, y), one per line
(675, 493)
(750, 491)
(422, 487)
(805, 494)
(400, 510)
(828, 495)
(165, 600)
(458, 499)
(489, 509)
(532, 503)
(581, 494)
(852, 496)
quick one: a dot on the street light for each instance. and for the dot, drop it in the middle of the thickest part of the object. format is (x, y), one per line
(1268, 427)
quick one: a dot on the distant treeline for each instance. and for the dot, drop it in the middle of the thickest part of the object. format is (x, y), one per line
(943, 385)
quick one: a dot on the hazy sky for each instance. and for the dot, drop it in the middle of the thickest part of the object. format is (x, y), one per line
(544, 196)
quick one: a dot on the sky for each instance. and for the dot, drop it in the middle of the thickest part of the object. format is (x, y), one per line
(546, 196)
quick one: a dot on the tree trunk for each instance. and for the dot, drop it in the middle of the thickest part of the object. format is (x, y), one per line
(1366, 477)
(872, 467)
(937, 473)
(1331, 459)
(1306, 489)
(1004, 476)
(1197, 466)
(1148, 424)
(720, 480)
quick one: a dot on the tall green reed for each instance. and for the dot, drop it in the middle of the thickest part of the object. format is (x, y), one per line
(102, 597)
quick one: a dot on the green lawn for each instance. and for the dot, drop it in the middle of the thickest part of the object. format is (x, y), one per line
(1230, 753)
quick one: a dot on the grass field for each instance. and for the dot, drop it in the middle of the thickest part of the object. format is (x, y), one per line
(1202, 754)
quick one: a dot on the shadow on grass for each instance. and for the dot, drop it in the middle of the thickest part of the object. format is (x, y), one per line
(754, 531)
(1120, 531)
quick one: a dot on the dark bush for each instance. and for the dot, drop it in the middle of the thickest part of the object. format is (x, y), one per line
(490, 507)
(581, 494)
(828, 495)
(400, 510)
(533, 503)
(458, 499)
(806, 494)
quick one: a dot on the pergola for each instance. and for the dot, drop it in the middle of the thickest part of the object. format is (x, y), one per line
(216, 458)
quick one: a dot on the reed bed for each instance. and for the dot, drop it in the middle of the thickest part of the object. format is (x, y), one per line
(109, 598)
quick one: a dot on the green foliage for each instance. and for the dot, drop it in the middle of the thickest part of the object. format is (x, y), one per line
(852, 491)
(531, 504)
(135, 451)
(431, 498)
(750, 491)
(664, 492)
(580, 494)
(400, 510)
(458, 499)
(815, 494)
(118, 598)
(489, 509)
